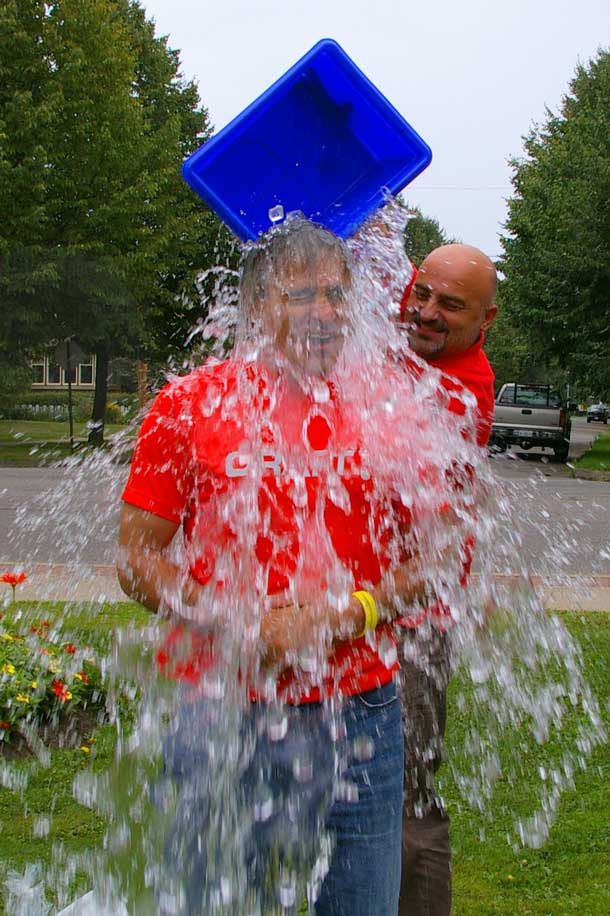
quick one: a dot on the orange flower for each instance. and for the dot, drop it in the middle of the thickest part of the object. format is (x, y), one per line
(81, 676)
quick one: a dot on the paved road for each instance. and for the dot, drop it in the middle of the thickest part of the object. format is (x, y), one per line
(547, 520)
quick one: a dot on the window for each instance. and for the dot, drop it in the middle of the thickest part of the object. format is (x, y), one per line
(70, 376)
(531, 396)
(37, 373)
(85, 374)
(53, 377)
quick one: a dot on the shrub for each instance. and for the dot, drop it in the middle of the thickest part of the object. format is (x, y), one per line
(53, 405)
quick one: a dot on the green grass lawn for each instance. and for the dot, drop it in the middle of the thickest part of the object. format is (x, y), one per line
(29, 443)
(598, 456)
(47, 430)
(570, 874)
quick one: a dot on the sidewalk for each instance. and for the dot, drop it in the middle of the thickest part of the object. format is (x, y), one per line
(57, 582)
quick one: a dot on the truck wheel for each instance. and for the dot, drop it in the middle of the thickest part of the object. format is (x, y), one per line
(561, 453)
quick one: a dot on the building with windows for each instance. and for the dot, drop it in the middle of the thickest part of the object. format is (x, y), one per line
(47, 375)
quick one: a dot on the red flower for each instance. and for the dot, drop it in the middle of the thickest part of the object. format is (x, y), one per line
(45, 624)
(13, 579)
(5, 725)
(60, 690)
(70, 648)
(36, 630)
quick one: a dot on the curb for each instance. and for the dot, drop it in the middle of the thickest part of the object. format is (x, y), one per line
(98, 583)
(586, 474)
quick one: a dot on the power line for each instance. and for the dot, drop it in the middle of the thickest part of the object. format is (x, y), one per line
(479, 187)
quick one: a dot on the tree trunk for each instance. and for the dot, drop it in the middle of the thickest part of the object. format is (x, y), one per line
(142, 379)
(96, 432)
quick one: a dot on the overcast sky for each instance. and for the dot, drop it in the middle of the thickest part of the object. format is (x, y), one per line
(471, 77)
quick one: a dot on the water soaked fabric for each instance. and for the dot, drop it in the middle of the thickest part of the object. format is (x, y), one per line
(288, 769)
(203, 437)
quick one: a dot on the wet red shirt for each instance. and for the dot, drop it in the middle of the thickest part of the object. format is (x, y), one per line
(470, 370)
(194, 465)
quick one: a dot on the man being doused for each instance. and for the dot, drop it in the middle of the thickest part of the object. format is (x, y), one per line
(310, 492)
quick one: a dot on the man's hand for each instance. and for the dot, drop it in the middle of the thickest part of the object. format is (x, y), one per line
(309, 628)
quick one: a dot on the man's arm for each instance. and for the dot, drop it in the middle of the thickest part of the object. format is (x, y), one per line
(149, 577)
(144, 572)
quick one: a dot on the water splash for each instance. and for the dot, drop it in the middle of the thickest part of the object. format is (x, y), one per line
(520, 669)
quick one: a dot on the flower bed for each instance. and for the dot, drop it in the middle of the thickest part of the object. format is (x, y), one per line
(42, 678)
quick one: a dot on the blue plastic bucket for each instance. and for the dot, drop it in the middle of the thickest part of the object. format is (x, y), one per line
(322, 140)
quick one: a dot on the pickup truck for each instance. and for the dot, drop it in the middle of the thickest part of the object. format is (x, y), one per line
(531, 416)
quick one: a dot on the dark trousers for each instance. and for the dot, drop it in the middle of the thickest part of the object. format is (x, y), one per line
(425, 887)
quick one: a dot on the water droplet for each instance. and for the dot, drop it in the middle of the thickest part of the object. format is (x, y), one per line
(277, 728)
(347, 791)
(287, 892)
(363, 748)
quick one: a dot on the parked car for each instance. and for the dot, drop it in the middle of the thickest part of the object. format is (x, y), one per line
(597, 413)
(531, 416)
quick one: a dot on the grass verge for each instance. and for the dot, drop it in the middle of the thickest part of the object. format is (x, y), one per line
(32, 443)
(598, 456)
(570, 874)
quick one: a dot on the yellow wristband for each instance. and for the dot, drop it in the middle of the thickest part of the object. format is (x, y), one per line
(371, 617)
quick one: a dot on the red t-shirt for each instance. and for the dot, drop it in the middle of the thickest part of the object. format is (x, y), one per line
(248, 531)
(470, 371)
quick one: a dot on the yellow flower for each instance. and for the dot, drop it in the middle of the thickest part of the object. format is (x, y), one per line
(510, 877)
(7, 636)
(34, 685)
(22, 698)
(85, 749)
(78, 676)
(53, 668)
(8, 669)
(68, 695)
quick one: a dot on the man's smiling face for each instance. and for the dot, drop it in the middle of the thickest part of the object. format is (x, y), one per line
(451, 302)
(305, 313)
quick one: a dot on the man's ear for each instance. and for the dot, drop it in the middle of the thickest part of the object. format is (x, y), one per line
(490, 317)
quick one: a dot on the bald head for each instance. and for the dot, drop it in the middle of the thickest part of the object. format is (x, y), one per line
(452, 301)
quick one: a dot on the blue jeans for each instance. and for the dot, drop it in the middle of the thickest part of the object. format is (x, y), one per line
(281, 805)
(364, 877)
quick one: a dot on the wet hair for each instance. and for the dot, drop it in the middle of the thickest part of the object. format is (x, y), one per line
(298, 243)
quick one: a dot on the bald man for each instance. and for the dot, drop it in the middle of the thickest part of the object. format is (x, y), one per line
(447, 308)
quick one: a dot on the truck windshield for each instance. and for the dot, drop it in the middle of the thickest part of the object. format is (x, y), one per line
(531, 396)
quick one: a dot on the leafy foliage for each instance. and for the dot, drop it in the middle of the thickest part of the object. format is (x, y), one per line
(422, 235)
(99, 233)
(557, 250)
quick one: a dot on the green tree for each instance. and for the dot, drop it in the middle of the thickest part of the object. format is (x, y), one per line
(422, 235)
(101, 232)
(557, 248)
